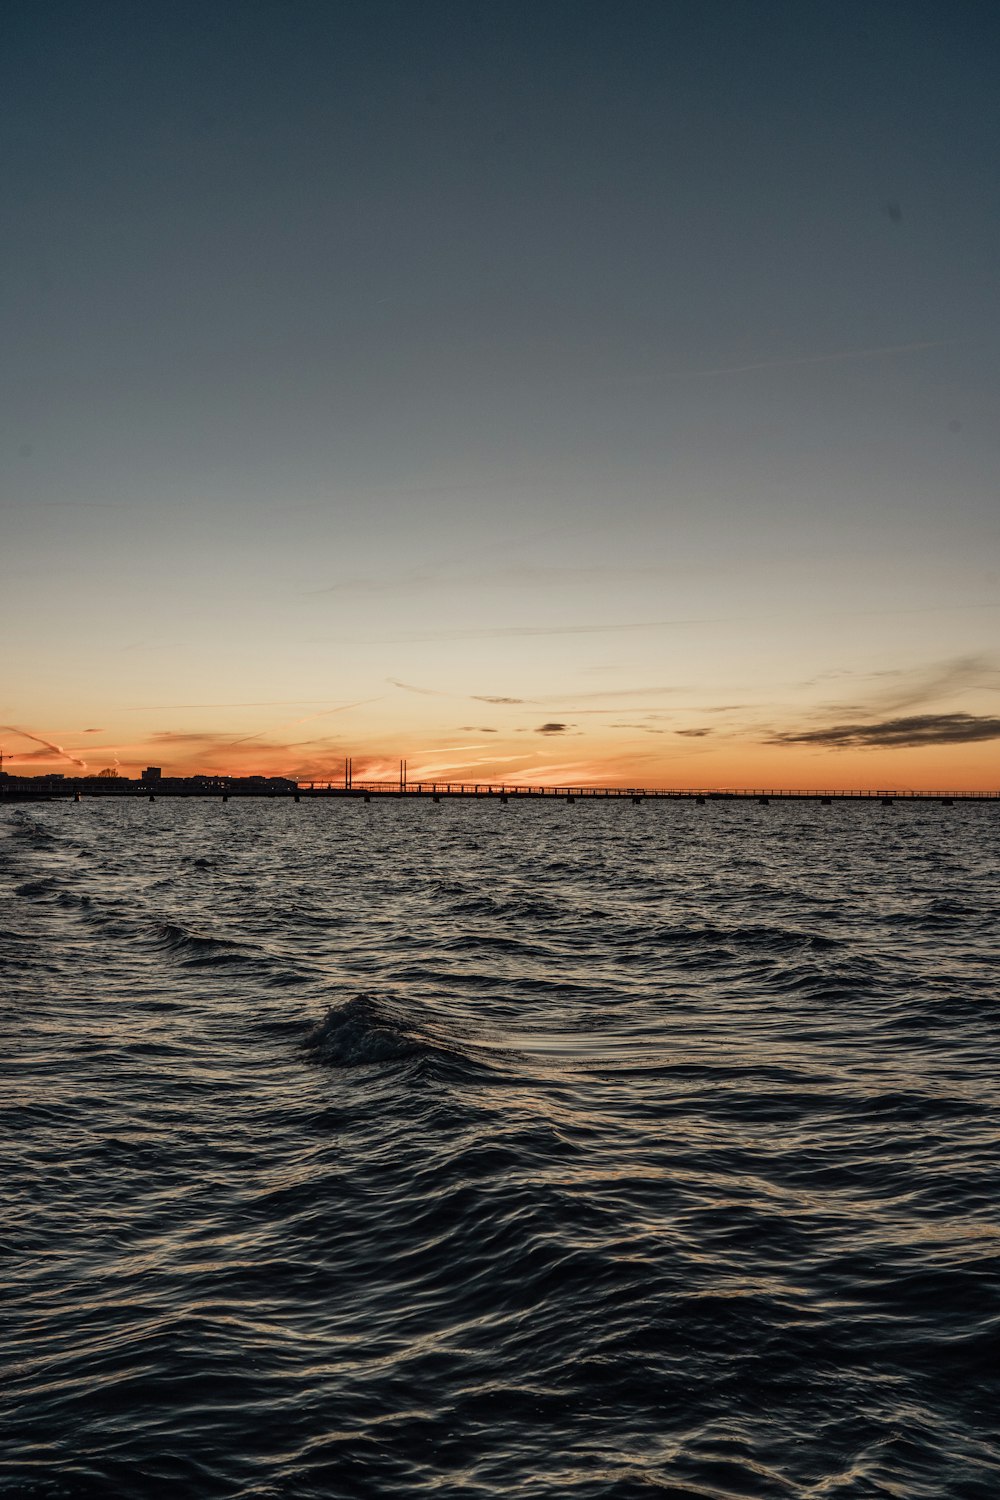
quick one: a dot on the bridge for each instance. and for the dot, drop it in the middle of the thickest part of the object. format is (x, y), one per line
(507, 792)
(77, 788)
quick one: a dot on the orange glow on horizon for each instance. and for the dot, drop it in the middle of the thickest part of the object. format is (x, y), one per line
(730, 765)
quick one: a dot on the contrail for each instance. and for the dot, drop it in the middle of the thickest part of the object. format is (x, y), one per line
(49, 744)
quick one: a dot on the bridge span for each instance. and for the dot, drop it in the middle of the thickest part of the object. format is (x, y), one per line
(496, 791)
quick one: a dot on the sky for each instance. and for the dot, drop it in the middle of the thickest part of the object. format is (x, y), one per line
(554, 392)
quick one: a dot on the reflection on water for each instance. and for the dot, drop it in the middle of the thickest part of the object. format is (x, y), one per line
(474, 1150)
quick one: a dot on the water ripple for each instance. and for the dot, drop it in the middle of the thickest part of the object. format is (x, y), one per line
(458, 1150)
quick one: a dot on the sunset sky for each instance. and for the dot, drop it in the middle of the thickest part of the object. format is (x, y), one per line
(554, 392)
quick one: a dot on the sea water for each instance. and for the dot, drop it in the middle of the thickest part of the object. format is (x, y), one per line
(469, 1149)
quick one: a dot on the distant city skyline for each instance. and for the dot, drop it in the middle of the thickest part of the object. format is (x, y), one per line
(552, 393)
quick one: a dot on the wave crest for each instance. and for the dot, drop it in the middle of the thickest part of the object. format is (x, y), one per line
(366, 1030)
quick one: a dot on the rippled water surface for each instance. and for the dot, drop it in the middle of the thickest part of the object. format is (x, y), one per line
(476, 1150)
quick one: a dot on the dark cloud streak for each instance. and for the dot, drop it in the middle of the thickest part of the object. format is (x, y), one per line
(905, 733)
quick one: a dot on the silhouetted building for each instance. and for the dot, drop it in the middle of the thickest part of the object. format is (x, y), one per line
(151, 773)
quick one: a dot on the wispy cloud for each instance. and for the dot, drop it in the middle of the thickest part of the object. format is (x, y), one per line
(632, 627)
(450, 749)
(548, 699)
(693, 734)
(603, 693)
(518, 632)
(465, 573)
(902, 733)
(569, 705)
(876, 714)
(909, 688)
(217, 752)
(552, 728)
(425, 692)
(262, 703)
(572, 773)
(168, 738)
(324, 713)
(428, 770)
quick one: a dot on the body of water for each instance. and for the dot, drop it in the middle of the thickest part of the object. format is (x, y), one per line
(472, 1150)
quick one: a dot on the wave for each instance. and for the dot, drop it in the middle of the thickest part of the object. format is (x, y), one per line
(173, 938)
(366, 1030)
(178, 939)
(34, 834)
(512, 908)
(765, 937)
(48, 885)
